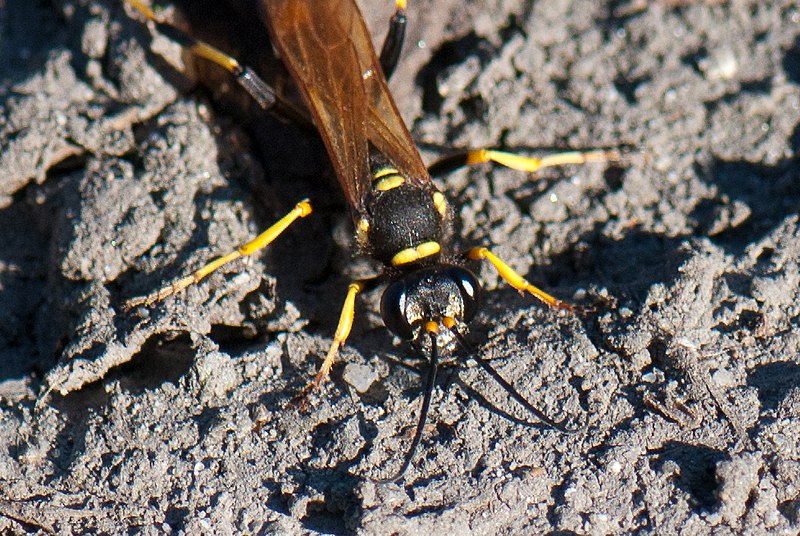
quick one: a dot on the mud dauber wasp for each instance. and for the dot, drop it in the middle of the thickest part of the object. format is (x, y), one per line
(401, 219)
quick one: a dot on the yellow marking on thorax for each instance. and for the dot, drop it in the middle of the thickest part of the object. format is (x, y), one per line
(440, 203)
(426, 249)
(387, 183)
(387, 178)
(384, 172)
(362, 230)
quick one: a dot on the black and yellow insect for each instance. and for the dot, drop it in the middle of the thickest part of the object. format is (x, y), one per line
(401, 219)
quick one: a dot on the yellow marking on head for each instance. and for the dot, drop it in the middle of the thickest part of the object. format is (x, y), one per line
(440, 203)
(431, 327)
(449, 322)
(426, 249)
(387, 183)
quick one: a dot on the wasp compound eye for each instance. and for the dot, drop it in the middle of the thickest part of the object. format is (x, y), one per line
(470, 289)
(393, 310)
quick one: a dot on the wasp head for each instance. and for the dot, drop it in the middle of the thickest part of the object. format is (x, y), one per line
(445, 294)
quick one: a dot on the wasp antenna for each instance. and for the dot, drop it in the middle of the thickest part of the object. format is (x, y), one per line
(463, 342)
(430, 381)
(490, 370)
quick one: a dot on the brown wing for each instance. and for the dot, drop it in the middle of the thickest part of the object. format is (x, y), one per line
(327, 49)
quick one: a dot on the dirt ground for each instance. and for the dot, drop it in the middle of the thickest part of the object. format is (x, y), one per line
(117, 175)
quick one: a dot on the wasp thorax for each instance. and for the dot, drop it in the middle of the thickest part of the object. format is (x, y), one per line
(400, 220)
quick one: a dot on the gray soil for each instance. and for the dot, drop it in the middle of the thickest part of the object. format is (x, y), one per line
(117, 175)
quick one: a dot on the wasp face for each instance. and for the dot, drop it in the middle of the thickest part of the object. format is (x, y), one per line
(446, 294)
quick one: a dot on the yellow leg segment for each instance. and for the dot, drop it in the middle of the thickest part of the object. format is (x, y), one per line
(200, 48)
(529, 164)
(143, 9)
(301, 210)
(342, 331)
(516, 280)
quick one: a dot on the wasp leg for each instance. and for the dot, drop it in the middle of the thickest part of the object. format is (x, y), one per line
(259, 90)
(519, 162)
(516, 280)
(342, 331)
(393, 44)
(301, 210)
